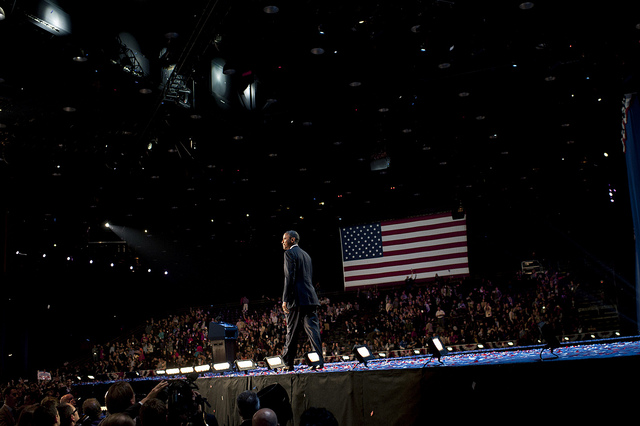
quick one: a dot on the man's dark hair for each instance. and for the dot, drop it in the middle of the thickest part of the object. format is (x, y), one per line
(6, 391)
(66, 411)
(248, 403)
(118, 419)
(294, 235)
(91, 408)
(119, 397)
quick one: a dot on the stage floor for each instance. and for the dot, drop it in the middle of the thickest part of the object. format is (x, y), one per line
(581, 381)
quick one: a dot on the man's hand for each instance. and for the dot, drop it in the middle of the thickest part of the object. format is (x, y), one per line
(155, 391)
(284, 307)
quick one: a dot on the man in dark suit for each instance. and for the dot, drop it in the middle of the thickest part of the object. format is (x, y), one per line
(8, 409)
(299, 300)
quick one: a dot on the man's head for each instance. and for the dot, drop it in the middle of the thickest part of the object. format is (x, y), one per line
(46, 414)
(264, 417)
(10, 396)
(91, 407)
(248, 403)
(120, 396)
(289, 239)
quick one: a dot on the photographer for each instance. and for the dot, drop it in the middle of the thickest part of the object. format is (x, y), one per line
(120, 398)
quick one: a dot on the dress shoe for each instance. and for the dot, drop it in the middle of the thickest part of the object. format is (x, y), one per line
(317, 367)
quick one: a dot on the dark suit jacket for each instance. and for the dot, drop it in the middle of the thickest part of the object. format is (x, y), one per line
(298, 274)
(7, 416)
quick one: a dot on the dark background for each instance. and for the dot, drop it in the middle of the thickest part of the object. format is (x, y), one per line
(502, 110)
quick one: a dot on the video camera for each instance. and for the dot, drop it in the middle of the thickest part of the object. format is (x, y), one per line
(185, 406)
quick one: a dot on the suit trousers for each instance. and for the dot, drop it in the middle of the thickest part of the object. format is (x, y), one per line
(298, 319)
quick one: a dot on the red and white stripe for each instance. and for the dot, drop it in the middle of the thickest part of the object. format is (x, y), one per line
(424, 246)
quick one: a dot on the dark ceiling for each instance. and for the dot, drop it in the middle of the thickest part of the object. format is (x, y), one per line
(506, 108)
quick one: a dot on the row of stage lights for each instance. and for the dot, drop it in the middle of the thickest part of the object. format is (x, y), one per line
(361, 353)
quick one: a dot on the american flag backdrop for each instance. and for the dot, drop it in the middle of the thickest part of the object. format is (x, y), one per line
(387, 252)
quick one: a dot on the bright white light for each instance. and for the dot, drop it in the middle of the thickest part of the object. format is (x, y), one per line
(438, 344)
(245, 364)
(202, 368)
(314, 357)
(221, 366)
(363, 351)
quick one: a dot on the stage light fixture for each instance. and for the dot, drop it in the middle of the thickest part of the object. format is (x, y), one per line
(313, 359)
(202, 368)
(222, 367)
(161, 372)
(245, 364)
(436, 348)
(172, 371)
(362, 354)
(274, 362)
(186, 370)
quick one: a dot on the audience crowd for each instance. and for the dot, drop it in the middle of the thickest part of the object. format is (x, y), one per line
(395, 320)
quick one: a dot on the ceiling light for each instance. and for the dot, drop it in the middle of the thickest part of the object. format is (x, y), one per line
(526, 5)
(317, 50)
(271, 9)
(2, 14)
